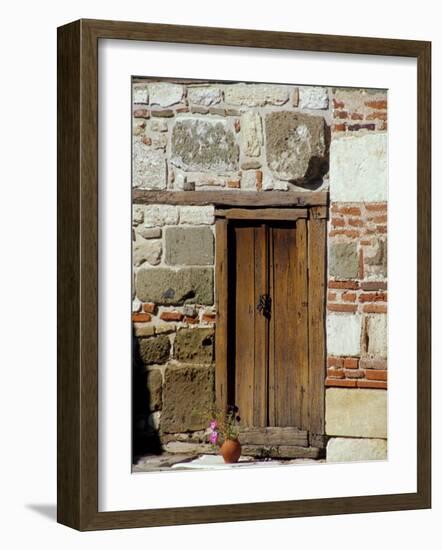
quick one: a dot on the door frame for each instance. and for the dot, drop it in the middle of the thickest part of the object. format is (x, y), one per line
(317, 273)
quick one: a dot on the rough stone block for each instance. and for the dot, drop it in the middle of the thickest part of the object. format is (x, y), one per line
(189, 246)
(204, 95)
(155, 389)
(356, 412)
(165, 93)
(160, 214)
(201, 144)
(343, 260)
(140, 94)
(356, 450)
(149, 167)
(295, 145)
(313, 97)
(154, 350)
(137, 214)
(376, 259)
(187, 397)
(343, 334)
(188, 285)
(359, 168)
(377, 335)
(251, 133)
(149, 232)
(146, 251)
(197, 215)
(256, 95)
(194, 345)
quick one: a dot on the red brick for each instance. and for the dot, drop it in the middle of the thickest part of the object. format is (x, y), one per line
(338, 222)
(171, 316)
(340, 114)
(209, 317)
(374, 285)
(351, 363)
(378, 104)
(339, 127)
(377, 115)
(336, 383)
(345, 232)
(141, 113)
(338, 104)
(365, 242)
(335, 373)
(149, 307)
(234, 184)
(347, 308)
(380, 219)
(335, 362)
(355, 222)
(373, 297)
(351, 285)
(141, 317)
(350, 210)
(376, 374)
(191, 320)
(353, 374)
(376, 207)
(147, 140)
(349, 297)
(331, 296)
(374, 308)
(259, 180)
(356, 116)
(381, 229)
(356, 127)
(372, 384)
(380, 364)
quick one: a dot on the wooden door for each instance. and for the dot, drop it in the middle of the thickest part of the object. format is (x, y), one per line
(270, 326)
(270, 351)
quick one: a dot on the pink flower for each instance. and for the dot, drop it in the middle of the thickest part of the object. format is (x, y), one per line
(213, 437)
(213, 425)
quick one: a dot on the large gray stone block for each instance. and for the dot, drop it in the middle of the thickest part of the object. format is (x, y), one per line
(359, 168)
(188, 285)
(356, 412)
(149, 167)
(295, 145)
(189, 245)
(154, 350)
(187, 397)
(194, 345)
(340, 449)
(343, 260)
(204, 145)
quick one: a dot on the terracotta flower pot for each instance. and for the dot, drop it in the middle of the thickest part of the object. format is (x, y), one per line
(230, 450)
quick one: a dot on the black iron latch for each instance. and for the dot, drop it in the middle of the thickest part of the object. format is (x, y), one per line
(264, 305)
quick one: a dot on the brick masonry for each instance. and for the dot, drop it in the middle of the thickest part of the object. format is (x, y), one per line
(256, 137)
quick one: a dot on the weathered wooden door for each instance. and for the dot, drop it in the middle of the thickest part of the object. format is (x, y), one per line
(274, 274)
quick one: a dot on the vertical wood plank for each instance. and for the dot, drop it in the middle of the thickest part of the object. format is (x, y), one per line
(261, 329)
(317, 286)
(298, 298)
(245, 322)
(222, 309)
(271, 407)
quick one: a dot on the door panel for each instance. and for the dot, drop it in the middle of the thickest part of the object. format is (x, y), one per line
(250, 326)
(270, 353)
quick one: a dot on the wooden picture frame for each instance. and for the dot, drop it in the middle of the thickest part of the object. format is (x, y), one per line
(78, 273)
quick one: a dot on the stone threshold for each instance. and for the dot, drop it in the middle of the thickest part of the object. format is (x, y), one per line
(179, 462)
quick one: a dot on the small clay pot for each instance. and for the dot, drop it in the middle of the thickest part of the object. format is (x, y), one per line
(230, 451)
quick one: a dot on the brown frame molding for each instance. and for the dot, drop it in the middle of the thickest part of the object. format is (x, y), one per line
(77, 385)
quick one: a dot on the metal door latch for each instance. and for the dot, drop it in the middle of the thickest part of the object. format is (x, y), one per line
(264, 305)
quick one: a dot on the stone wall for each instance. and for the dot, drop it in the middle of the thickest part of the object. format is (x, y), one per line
(258, 137)
(356, 400)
